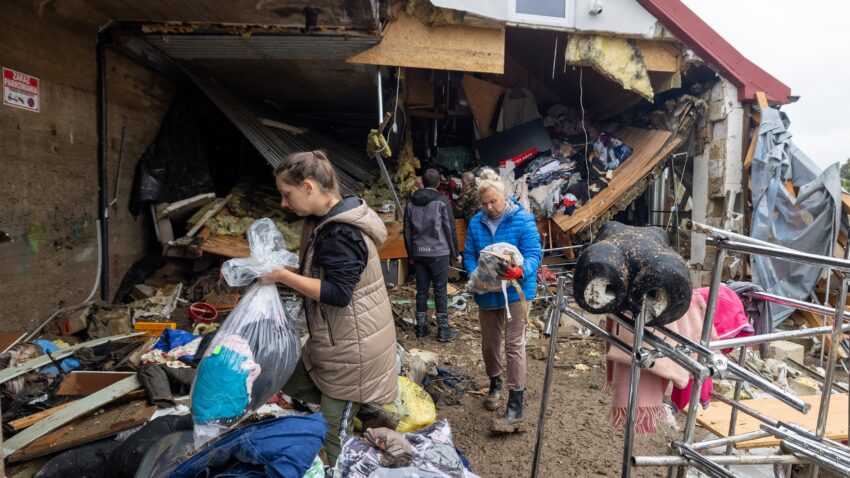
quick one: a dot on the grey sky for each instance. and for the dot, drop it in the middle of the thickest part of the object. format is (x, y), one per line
(805, 45)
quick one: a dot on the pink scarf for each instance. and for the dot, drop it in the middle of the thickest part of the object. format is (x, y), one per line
(653, 381)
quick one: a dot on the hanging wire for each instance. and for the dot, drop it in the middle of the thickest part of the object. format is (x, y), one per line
(586, 153)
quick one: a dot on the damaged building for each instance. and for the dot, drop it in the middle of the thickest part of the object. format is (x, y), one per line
(139, 139)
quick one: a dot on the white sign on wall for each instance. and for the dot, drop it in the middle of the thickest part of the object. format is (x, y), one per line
(20, 90)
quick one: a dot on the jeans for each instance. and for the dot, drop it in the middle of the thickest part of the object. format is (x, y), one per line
(432, 271)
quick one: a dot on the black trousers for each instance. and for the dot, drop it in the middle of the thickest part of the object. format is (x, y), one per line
(432, 271)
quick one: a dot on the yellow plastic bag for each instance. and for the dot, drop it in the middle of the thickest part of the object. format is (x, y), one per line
(414, 405)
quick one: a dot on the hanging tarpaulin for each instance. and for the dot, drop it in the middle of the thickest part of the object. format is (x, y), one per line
(805, 217)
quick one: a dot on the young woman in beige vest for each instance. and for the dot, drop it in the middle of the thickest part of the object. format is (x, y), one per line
(350, 356)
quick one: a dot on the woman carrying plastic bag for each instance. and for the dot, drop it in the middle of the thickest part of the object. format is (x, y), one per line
(350, 356)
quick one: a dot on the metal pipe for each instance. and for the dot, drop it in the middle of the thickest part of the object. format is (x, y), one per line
(782, 253)
(807, 434)
(552, 327)
(730, 440)
(644, 461)
(628, 444)
(838, 321)
(701, 462)
(722, 234)
(788, 302)
(380, 95)
(760, 339)
(681, 358)
(102, 155)
(816, 376)
(813, 457)
(120, 164)
(553, 249)
(742, 373)
(736, 395)
(599, 331)
(707, 329)
(809, 444)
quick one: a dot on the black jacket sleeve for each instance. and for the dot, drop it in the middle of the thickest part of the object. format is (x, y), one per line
(407, 232)
(449, 227)
(342, 256)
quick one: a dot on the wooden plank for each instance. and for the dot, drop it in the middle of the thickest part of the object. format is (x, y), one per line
(87, 430)
(410, 43)
(227, 246)
(42, 360)
(77, 384)
(29, 420)
(63, 417)
(393, 247)
(483, 97)
(716, 418)
(650, 148)
(7, 339)
(183, 206)
(748, 159)
(761, 99)
(660, 55)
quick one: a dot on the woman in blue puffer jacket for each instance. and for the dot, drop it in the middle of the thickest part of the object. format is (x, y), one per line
(503, 219)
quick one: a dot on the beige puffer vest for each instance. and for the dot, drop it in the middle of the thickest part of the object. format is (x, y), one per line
(351, 351)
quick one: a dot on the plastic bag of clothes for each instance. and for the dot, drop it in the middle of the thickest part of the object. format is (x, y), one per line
(413, 405)
(256, 348)
(268, 252)
(488, 276)
(434, 456)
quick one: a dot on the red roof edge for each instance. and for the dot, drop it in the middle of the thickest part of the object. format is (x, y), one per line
(716, 51)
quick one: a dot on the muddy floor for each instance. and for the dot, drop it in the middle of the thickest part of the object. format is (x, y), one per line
(578, 441)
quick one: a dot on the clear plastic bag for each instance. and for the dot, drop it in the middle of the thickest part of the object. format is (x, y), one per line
(434, 456)
(488, 276)
(268, 252)
(256, 348)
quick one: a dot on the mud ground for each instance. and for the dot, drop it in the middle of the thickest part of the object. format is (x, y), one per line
(578, 441)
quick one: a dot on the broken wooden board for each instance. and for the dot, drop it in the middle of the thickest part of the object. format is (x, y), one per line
(8, 339)
(65, 416)
(410, 43)
(180, 208)
(29, 420)
(42, 360)
(716, 418)
(76, 384)
(87, 430)
(226, 246)
(650, 148)
(483, 98)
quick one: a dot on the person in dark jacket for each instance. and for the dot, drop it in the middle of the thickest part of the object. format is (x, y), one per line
(431, 240)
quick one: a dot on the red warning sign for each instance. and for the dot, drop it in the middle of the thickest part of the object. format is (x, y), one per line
(20, 90)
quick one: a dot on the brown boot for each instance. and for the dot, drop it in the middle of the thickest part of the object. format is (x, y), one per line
(511, 421)
(491, 401)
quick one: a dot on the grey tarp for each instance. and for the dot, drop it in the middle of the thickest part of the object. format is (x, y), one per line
(807, 223)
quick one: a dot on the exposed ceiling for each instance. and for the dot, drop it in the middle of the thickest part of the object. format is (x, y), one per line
(350, 14)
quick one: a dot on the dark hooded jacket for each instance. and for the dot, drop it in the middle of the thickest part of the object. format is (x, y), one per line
(429, 226)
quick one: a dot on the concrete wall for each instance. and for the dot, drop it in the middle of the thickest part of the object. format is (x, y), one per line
(718, 168)
(49, 183)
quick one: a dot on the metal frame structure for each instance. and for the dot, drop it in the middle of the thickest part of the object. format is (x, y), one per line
(801, 446)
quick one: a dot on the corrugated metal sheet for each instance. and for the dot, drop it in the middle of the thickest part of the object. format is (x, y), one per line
(262, 47)
(274, 144)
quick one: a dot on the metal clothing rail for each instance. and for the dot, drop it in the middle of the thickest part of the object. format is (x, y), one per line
(802, 446)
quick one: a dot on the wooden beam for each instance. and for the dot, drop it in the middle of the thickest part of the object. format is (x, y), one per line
(761, 99)
(87, 430)
(63, 417)
(29, 420)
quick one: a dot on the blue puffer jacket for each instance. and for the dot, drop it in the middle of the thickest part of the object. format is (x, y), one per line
(518, 228)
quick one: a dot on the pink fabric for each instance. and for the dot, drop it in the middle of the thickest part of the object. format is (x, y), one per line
(653, 384)
(730, 321)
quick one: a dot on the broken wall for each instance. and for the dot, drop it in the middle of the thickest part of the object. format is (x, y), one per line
(49, 180)
(718, 167)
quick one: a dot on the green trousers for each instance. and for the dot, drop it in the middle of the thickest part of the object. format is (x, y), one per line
(339, 414)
